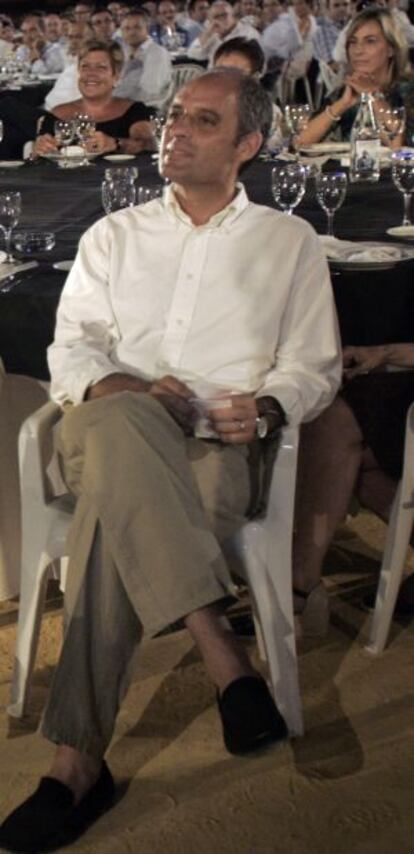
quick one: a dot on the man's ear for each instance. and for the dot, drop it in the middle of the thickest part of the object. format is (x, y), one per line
(249, 145)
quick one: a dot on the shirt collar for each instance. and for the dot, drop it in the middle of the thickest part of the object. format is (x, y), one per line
(223, 218)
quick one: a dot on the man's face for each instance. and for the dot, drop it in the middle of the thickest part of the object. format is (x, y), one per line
(248, 7)
(166, 13)
(76, 34)
(31, 31)
(271, 10)
(221, 15)
(302, 8)
(200, 11)
(115, 10)
(82, 12)
(134, 30)
(52, 28)
(199, 145)
(339, 10)
(103, 25)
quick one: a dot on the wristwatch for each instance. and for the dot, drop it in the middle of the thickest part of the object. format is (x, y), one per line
(270, 419)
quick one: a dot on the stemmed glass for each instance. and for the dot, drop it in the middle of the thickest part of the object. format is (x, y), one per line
(391, 122)
(158, 122)
(288, 185)
(296, 117)
(330, 193)
(64, 132)
(85, 128)
(10, 209)
(403, 176)
(117, 195)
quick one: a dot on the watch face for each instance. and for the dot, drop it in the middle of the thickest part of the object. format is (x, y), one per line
(261, 427)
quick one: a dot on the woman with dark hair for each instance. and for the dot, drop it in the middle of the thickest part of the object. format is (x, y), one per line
(378, 58)
(121, 124)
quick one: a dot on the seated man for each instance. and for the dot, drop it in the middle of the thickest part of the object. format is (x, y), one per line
(146, 74)
(198, 294)
(43, 57)
(328, 28)
(222, 25)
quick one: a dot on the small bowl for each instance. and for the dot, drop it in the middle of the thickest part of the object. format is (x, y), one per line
(34, 242)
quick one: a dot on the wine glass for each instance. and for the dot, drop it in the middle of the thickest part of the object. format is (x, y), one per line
(288, 185)
(10, 209)
(122, 173)
(64, 132)
(296, 117)
(85, 129)
(330, 193)
(391, 122)
(117, 195)
(403, 176)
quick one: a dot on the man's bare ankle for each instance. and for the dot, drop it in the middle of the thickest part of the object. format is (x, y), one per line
(79, 771)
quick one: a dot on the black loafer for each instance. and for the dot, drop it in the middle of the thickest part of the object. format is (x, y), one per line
(249, 716)
(49, 819)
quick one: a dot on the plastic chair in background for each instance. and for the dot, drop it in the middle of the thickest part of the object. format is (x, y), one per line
(399, 532)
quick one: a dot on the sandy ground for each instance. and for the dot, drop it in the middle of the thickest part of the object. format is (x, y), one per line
(347, 786)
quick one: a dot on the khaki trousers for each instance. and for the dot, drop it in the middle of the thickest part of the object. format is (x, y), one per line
(144, 549)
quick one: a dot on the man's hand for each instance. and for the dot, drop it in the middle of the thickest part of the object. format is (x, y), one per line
(115, 383)
(362, 360)
(175, 396)
(235, 424)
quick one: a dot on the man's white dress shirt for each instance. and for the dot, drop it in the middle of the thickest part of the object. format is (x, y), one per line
(51, 61)
(208, 49)
(66, 87)
(242, 304)
(147, 75)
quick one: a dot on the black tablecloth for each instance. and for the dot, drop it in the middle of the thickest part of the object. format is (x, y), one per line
(373, 307)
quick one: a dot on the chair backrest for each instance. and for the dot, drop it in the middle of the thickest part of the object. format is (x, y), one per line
(182, 73)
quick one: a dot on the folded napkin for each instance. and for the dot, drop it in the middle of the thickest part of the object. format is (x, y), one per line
(347, 250)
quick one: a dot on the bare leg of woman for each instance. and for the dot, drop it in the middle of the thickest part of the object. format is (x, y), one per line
(329, 461)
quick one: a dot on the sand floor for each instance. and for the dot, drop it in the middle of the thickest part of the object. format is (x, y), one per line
(347, 786)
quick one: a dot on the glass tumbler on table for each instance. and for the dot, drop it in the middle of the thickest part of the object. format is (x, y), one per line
(330, 193)
(10, 209)
(288, 185)
(403, 176)
(85, 128)
(117, 195)
(297, 118)
(391, 122)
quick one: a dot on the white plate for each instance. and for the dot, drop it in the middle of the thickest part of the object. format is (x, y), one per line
(11, 164)
(404, 232)
(355, 264)
(327, 148)
(63, 265)
(59, 157)
(118, 158)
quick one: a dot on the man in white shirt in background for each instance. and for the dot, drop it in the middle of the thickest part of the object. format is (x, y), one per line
(103, 25)
(280, 39)
(201, 293)
(66, 87)
(52, 26)
(195, 19)
(328, 28)
(146, 74)
(222, 25)
(42, 57)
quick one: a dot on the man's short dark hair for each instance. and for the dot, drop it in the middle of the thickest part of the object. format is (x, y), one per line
(137, 12)
(255, 112)
(249, 48)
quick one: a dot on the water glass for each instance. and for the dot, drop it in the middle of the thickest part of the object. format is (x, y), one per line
(297, 118)
(10, 210)
(121, 173)
(85, 128)
(288, 185)
(34, 242)
(330, 193)
(403, 176)
(117, 195)
(64, 132)
(147, 194)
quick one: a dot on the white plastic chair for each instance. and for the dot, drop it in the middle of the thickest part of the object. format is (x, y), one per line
(181, 74)
(399, 532)
(263, 546)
